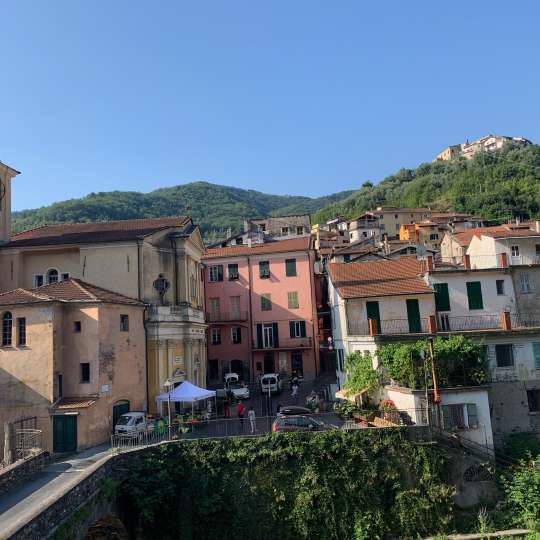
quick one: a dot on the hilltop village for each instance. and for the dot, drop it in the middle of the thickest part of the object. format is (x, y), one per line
(100, 319)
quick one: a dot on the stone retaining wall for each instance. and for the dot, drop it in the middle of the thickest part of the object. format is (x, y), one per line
(21, 470)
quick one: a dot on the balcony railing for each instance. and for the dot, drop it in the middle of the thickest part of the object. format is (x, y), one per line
(446, 323)
(285, 343)
(525, 320)
(225, 316)
(388, 327)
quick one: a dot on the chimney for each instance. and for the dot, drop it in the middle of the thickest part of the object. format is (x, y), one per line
(537, 226)
(467, 262)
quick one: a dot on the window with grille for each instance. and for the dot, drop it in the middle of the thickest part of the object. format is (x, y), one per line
(21, 331)
(7, 329)
(124, 323)
(215, 273)
(504, 354)
(292, 299)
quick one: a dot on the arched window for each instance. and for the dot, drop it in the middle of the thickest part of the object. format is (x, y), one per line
(52, 276)
(7, 329)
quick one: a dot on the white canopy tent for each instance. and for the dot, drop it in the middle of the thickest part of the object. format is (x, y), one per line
(186, 393)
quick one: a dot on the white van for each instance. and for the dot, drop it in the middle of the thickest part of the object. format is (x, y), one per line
(231, 378)
(271, 382)
(131, 423)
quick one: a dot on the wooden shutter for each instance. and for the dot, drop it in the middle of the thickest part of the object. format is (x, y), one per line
(275, 332)
(442, 298)
(474, 295)
(239, 334)
(290, 267)
(413, 316)
(220, 272)
(372, 309)
(446, 416)
(472, 416)
(302, 328)
(536, 353)
(259, 336)
(291, 329)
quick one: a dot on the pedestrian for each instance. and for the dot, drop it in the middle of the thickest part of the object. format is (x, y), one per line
(294, 389)
(226, 409)
(251, 416)
(240, 410)
(279, 407)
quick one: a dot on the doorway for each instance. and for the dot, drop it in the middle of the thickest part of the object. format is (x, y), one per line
(413, 316)
(269, 366)
(119, 408)
(237, 366)
(372, 310)
(297, 364)
(65, 433)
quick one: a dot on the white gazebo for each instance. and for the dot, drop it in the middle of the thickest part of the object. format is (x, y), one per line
(184, 393)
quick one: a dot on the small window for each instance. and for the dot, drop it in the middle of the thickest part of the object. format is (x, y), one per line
(21, 331)
(264, 269)
(216, 336)
(434, 236)
(85, 372)
(215, 273)
(499, 283)
(460, 416)
(292, 300)
(262, 227)
(52, 276)
(7, 329)
(290, 267)
(239, 241)
(504, 355)
(38, 280)
(284, 231)
(398, 226)
(233, 272)
(346, 258)
(65, 276)
(77, 326)
(236, 332)
(533, 398)
(525, 283)
(299, 230)
(515, 251)
(266, 302)
(124, 323)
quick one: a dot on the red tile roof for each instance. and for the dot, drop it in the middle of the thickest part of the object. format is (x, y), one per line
(464, 238)
(104, 231)
(279, 246)
(75, 402)
(70, 290)
(378, 278)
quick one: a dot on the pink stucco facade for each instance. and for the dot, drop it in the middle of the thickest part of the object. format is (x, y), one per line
(274, 308)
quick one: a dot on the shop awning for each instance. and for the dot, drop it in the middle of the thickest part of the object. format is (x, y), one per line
(187, 393)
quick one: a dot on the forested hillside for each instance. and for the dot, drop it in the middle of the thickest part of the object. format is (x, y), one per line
(498, 185)
(215, 208)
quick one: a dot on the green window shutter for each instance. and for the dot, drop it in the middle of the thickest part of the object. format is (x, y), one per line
(446, 416)
(472, 415)
(290, 267)
(259, 336)
(474, 295)
(291, 329)
(264, 269)
(302, 328)
(292, 300)
(220, 273)
(442, 298)
(536, 353)
(276, 334)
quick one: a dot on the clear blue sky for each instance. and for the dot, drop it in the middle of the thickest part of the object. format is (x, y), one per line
(301, 97)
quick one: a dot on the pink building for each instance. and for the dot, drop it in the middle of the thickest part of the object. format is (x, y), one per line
(260, 304)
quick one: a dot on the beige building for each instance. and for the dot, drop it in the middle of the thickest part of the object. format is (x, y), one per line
(488, 143)
(156, 261)
(73, 356)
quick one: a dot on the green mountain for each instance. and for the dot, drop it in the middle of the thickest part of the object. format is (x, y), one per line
(497, 185)
(215, 208)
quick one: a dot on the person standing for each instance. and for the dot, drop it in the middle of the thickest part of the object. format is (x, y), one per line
(252, 421)
(227, 409)
(294, 389)
(240, 410)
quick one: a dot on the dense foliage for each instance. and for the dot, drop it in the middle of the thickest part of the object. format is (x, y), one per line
(459, 361)
(360, 373)
(496, 185)
(214, 208)
(523, 494)
(369, 484)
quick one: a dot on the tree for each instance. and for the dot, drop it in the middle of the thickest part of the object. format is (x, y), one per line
(360, 373)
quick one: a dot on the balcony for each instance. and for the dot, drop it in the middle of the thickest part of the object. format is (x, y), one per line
(285, 343)
(226, 316)
(447, 323)
(392, 327)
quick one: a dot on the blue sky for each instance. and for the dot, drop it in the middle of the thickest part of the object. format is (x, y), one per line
(299, 97)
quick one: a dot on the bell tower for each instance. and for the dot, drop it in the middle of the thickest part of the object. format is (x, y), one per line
(6, 174)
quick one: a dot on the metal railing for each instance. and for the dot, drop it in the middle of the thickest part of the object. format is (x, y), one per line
(525, 320)
(478, 322)
(285, 343)
(223, 316)
(404, 326)
(28, 442)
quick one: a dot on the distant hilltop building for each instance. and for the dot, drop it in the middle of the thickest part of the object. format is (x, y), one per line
(488, 143)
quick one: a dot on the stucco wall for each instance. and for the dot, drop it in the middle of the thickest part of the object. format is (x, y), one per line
(527, 302)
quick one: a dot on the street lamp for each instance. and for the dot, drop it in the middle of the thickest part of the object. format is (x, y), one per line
(168, 384)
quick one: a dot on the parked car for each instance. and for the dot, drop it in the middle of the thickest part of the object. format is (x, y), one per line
(293, 410)
(299, 423)
(238, 389)
(131, 423)
(271, 382)
(231, 378)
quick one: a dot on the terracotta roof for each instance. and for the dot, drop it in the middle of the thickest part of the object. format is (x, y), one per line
(378, 278)
(278, 246)
(75, 402)
(103, 231)
(70, 290)
(464, 238)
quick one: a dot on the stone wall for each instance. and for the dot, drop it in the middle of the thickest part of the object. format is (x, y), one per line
(21, 470)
